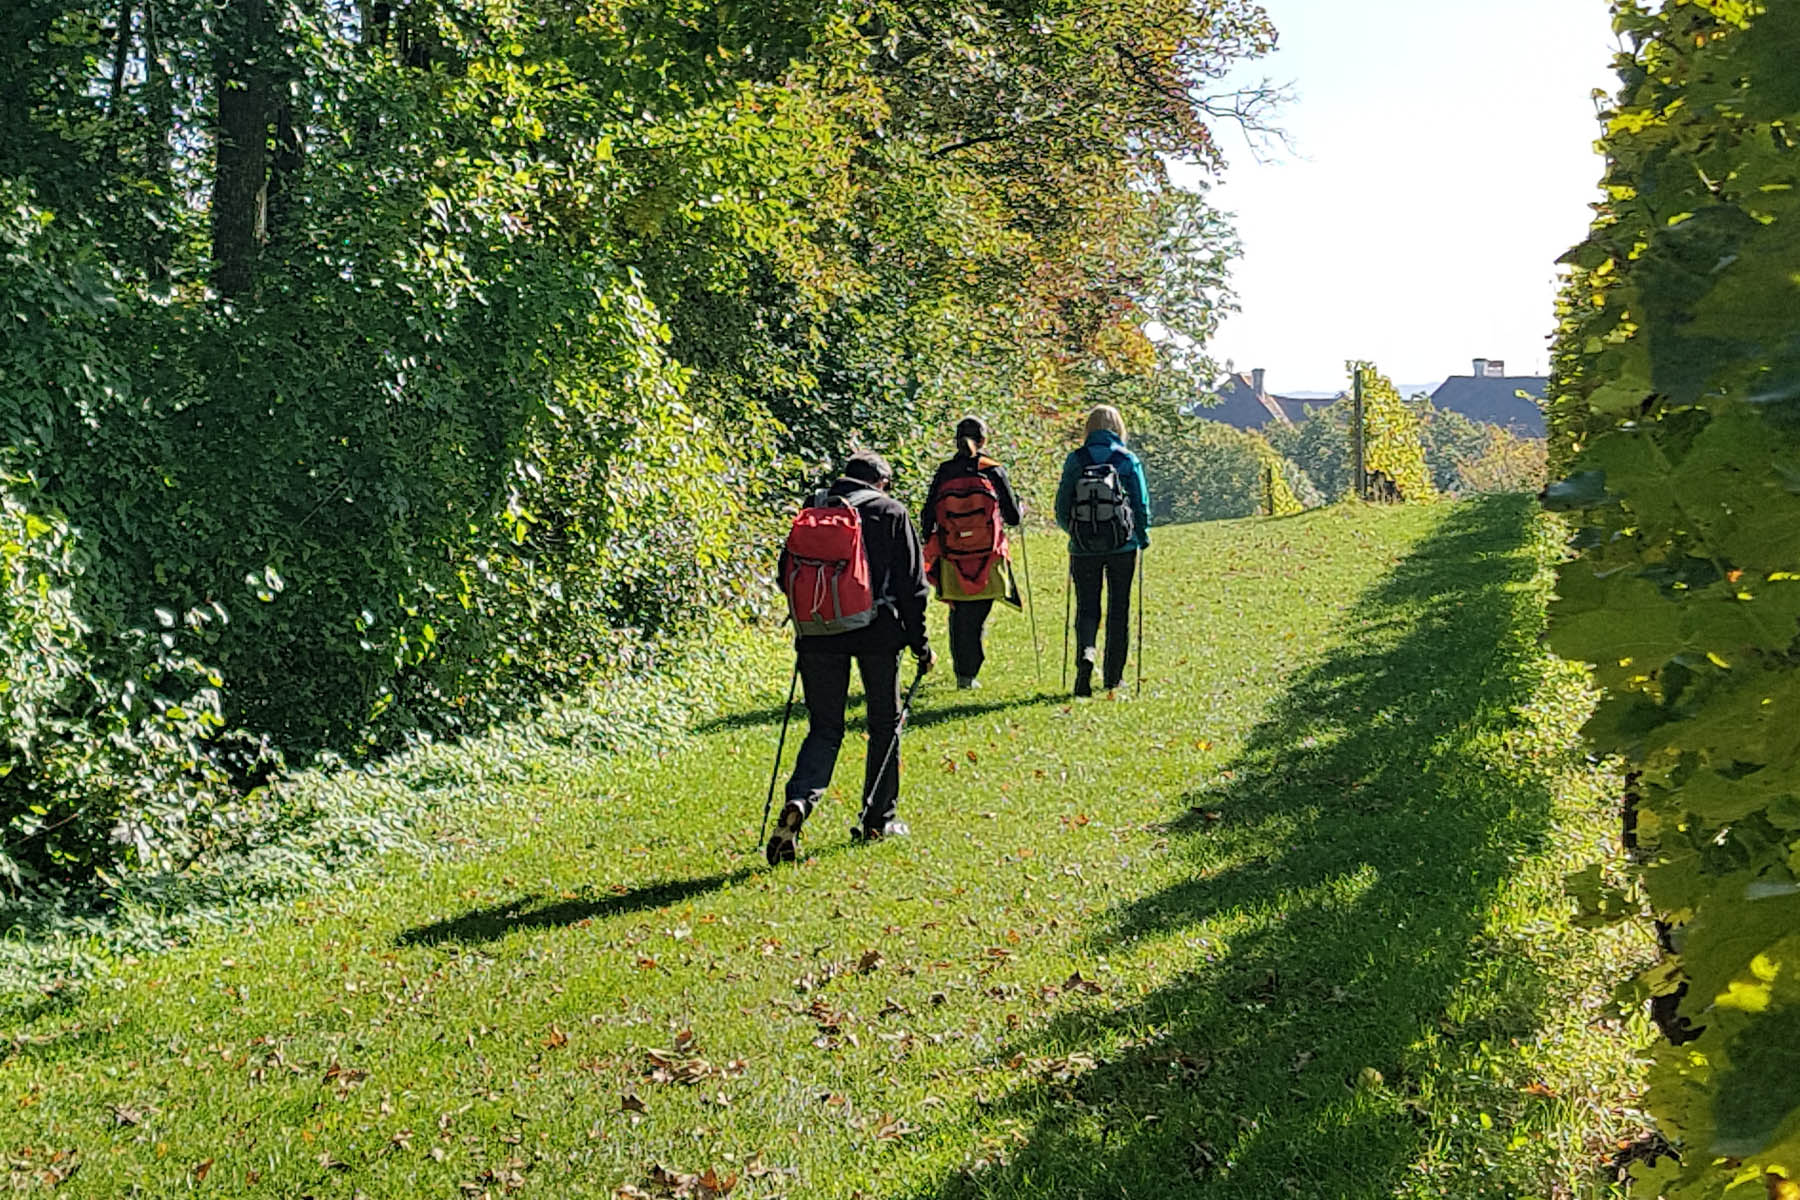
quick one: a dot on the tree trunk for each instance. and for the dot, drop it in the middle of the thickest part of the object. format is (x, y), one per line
(284, 165)
(121, 53)
(159, 110)
(241, 167)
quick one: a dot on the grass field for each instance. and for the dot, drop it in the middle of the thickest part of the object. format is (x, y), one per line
(1289, 924)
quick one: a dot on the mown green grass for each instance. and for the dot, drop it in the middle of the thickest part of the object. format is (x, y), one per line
(1289, 924)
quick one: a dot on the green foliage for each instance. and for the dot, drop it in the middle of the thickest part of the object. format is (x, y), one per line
(111, 762)
(1320, 447)
(1674, 416)
(1450, 440)
(1503, 462)
(447, 357)
(1208, 471)
(1391, 440)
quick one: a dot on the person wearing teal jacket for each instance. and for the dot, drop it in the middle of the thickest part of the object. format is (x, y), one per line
(1103, 554)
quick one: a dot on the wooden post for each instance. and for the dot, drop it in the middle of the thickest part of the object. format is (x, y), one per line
(1359, 468)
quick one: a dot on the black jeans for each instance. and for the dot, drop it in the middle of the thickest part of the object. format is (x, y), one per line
(1116, 571)
(968, 630)
(825, 674)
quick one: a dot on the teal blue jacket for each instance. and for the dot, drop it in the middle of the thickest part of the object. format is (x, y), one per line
(1131, 478)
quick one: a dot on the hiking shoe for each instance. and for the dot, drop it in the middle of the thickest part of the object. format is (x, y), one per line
(784, 843)
(967, 683)
(1084, 679)
(874, 833)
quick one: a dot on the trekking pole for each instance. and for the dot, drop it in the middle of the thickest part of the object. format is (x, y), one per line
(1140, 648)
(775, 771)
(1068, 599)
(893, 749)
(1037, 650)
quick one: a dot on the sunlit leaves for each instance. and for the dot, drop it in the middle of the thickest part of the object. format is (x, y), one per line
(1674, 384)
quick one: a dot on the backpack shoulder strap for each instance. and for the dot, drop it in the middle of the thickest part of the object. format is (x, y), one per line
(859, 495)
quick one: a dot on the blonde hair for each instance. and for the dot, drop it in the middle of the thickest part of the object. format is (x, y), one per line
(1105, 416)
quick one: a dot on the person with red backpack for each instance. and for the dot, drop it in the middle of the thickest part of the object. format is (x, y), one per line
(1104, 506)
(853, 571)
(970, 503)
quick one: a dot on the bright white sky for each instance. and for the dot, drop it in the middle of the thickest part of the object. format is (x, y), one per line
(1442, 160)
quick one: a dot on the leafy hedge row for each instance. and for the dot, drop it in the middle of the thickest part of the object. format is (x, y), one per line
(369, 372)
(1676, 416)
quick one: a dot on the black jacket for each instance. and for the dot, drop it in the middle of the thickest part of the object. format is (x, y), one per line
(956, 468)
(896, 571)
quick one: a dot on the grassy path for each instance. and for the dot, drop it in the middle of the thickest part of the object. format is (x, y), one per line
(1290, 924)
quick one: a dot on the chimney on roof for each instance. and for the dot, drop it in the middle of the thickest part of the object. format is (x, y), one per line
(1256, 380)
(1490, 368)
(1480, 367)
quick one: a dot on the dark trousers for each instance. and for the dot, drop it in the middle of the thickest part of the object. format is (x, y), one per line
(1116, 572)
(825, 675)
(968, 632)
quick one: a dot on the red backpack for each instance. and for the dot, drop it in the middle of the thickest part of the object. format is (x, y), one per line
(970, 538)
(828, 582)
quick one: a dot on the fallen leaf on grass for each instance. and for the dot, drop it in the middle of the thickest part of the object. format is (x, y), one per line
(1075, 983)
(201, 1170)
(557, 1039)
(630, 1103)
(665, 1066)
(344, 1076)
(892, 1129)
(870, 961)
(666, 1184)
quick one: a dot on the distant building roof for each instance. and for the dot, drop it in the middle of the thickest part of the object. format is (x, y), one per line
(1243, 403)
(1495, 399)
(1299, 408)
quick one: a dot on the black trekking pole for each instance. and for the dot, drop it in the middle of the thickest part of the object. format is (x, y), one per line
(1068, 599)
(1037, 650)
(780, 747)
(1140, 648)
(893, 749)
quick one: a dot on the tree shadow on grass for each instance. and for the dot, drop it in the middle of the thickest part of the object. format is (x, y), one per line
(927, 711)
(1336, 883)
(536, 911)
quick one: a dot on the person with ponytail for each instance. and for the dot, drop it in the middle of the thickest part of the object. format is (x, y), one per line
(963, 524)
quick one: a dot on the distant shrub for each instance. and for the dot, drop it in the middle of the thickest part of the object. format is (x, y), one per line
(1208, 471)
(1504, 462)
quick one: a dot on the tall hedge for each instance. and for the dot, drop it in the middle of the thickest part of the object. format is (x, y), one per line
(1676, 418)
(1391, 440)
(378, 369)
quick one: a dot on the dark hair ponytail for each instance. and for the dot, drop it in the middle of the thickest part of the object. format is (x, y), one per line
(971, 432)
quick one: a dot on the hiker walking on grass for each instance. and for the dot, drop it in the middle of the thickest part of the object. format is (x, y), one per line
(854, 574)
(966, 553)
(1104, 506)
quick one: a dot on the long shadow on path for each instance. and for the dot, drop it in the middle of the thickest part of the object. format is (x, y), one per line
(533, 911)
(931, 707)
(1333, 890)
